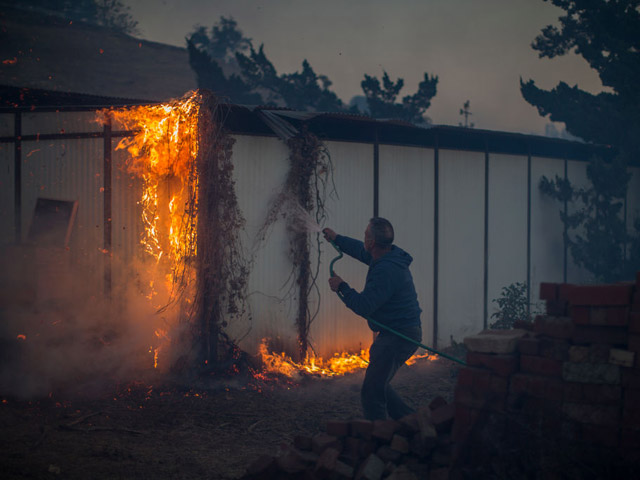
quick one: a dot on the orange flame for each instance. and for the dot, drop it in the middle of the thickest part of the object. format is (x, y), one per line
(339, 364)
(162, 154)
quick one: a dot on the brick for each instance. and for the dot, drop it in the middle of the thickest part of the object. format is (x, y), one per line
(595, 334)
(422, 447)
(443, 417)
(564, 291)
(495, 341)
(540, 366)
(599, 353)
(600, 295)
(548, 291)
(631, 378)
(503, 365)
(600, 373)
(371, 468)
(442, 473)
(481, 400)
(262, 467)
(387, 454)
(499, 385)
(427, 432)
(592, 414)
(557, 308)
(403, 472)
(580, 315)
(555, 327)
(321, 441)
(400, 443)
(592, 393)
(337, 428)
(302, 442)
(600, 435)
(361, 428)
(291, 462)
(623, 358)
(617, 316)
(351, 449)
(578, 354)
(437, 402)
(528, 346)
(464, 421)
(384, 429)
(409, 424)
(634, 322)
(554, 349)
(536, 386)
(634, 343)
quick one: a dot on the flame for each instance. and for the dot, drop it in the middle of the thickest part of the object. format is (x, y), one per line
(162, 154)
(339, 364)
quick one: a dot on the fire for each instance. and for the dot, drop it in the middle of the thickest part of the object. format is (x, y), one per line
(162, 154)
(339, 364)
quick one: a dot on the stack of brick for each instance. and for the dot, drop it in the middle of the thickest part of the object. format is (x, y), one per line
(575, 374)
(414, 447)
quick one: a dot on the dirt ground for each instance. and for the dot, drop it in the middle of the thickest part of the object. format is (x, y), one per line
(157, 429)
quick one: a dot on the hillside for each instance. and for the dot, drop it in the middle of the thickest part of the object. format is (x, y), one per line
(51, 54)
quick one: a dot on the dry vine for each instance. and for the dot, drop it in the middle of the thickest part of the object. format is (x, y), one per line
(304, 193)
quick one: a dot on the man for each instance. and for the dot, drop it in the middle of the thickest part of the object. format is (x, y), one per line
(389, 297)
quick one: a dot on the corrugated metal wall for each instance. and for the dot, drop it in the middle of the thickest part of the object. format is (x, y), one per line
(461, 244)
(407, 199)
(72, 169)
(507, 225)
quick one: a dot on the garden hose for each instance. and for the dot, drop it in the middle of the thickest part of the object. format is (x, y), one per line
(389, 329)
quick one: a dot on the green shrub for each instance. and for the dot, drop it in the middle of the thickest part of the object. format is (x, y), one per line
(513, 305)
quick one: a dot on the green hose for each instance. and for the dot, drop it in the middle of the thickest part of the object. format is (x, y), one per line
(389, 329)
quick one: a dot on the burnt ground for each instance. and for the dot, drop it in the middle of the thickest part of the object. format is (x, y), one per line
(157, 429)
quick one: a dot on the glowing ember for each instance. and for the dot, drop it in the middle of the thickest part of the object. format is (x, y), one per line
(22, 337)
(339, 364)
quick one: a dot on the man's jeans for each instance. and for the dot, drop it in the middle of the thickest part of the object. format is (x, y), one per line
(387, 354)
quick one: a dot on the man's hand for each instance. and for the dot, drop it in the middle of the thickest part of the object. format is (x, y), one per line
(329, 235)
(334, 282)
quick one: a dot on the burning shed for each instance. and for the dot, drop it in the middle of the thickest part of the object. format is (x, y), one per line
(200, 221)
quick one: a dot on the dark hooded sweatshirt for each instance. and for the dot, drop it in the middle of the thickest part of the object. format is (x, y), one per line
(389, 296)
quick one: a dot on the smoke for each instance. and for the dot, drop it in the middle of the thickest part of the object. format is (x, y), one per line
(60, 334)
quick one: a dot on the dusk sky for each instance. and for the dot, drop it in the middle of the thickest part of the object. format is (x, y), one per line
(478, 49)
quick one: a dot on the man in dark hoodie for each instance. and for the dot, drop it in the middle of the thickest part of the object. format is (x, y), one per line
(389, 297)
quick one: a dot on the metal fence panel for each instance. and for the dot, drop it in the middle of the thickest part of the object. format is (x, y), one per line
(507, 225)
(7, 192)
(34, 123)
(461, 244)
(407, 200)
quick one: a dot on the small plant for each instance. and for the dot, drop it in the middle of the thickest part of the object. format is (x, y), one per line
(513, 305)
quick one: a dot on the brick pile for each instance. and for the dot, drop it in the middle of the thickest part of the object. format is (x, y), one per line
(415, 447)
(573, 376)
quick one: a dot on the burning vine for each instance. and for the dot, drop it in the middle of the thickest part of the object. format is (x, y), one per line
(189, 210)
(303, 194)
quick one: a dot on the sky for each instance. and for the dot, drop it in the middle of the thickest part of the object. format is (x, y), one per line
(479, 49)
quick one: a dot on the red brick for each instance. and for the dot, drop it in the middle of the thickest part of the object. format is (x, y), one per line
(634, 343)
(291, 462)
(481, 400)
(536, 386)
(499, 384)
(409, 424)
(528, 346)
(580, 315)
(476, 378)
(591, 393)
(388, 454)
(401, 444)
(384, 429)
(540, 366)
(586, 334)
(554, 348)
(634, 322)
(555, 327)
(337, 428)
(631, 378)
(557, 308)
(548, 291)
(262, 467)
(322, 441)
(617, 316)
(564, 291)
(464, 421)
(503, 365)
(361, 428)
(302, 442)
(600, 295)
(371, 468)
(443, 417)
(607, 415)
(600, 435)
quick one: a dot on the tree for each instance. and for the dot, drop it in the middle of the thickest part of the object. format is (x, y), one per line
(381, 99)
(606, 33)
(247, 71)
